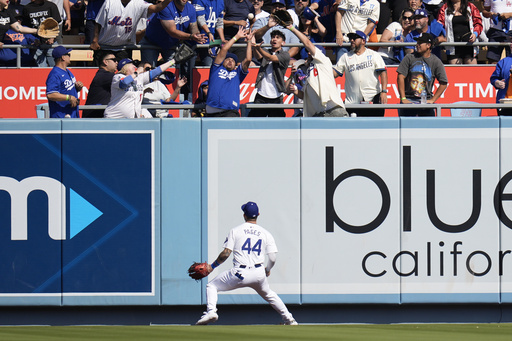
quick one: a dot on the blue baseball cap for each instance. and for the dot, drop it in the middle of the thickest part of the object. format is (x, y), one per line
(123, 62)
(60, 51)
(279, 2)
(232, 55)
(251, 209)
(309, 14)
(420, 12)
(357, 34)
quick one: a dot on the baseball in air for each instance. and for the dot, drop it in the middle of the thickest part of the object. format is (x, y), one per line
(250, 16)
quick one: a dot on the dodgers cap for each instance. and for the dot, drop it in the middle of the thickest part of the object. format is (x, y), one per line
(123, 62)
(250, 209)
(60, 51)
(357, 34)
(420, 12)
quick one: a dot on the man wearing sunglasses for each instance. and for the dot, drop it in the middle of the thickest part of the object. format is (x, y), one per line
(99, 90)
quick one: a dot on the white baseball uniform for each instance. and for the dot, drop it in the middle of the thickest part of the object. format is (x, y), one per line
(320, 90)
(356, 15)
(126, 103)
(361, 75)
(119, 23)
(249, 244)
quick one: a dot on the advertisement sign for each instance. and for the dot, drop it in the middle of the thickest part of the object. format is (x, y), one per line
(249, 163)
(22, 89)
(78, 211)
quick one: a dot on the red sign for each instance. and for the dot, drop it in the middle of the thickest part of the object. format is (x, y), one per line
(22, 89)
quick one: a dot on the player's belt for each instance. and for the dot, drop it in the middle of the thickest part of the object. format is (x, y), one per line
(245, 266)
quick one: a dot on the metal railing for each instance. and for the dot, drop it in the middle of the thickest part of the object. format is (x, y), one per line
(244, 108)
(18, 48)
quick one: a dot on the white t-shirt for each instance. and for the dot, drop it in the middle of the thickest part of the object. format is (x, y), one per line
(356, 15)
(361, 75)
(250, 243)
(126, 103)
(498, 6)
(395, 28)
(320, 90)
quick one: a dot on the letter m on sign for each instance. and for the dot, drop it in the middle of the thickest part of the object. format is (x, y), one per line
(19, 191)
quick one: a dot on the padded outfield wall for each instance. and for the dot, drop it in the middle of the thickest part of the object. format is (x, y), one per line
(391, 211)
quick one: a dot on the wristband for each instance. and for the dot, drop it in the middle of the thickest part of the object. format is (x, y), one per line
(403, 98)
(234, 39)
(291, 28)
(190, 36)
(215, 264)
(67, 98)
(476, 34)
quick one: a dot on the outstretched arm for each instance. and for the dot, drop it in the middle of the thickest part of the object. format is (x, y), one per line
(242, 33)
(303, 39)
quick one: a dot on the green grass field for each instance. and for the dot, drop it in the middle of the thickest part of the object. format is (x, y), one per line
(395, 332)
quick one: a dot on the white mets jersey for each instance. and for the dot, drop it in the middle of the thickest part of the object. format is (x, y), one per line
(126, 103)
(119, 23)
(249, 243)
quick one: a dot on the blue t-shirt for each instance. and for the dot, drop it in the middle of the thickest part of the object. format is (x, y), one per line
(236, 10)
(156, 33)
(435, 29)
(212, 10)
(224, 87)
(93, 8)
(63, 82)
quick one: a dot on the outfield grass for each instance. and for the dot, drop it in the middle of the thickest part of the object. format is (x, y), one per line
(395, 332)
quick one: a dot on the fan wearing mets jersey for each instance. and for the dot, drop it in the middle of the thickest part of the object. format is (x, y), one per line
(249, 244)
(116, 25)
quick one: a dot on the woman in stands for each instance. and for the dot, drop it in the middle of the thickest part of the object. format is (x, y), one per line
(463, 23)
(395, 32)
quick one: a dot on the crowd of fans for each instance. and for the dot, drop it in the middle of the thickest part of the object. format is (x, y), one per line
(111, 25)
(205, 21)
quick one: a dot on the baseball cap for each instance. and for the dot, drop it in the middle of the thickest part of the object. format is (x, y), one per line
(232, 55)
(309, 14)
(60, 51)
(357, 34)
(167, 77)
(123, 62)
(420, 12)
(425, 38)
(278, 2)
(251, 209)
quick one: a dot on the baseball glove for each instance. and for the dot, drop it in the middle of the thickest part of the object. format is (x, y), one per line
(49, 28)
(198, 270)
(282, 17)
(183, 53)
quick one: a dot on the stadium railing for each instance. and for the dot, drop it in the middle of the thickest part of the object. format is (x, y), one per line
(244, 108)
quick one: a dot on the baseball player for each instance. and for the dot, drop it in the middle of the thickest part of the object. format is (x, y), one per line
(362, 68)
(127, 89)
(249, 244)
(116, 24)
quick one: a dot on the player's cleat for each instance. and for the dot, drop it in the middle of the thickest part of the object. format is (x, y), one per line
(291, 322)
(208, 317)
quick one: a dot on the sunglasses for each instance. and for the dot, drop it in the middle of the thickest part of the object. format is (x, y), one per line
(112, 59)
(407, 18)
(302, 0)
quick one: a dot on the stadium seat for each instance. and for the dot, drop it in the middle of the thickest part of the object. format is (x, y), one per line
(466, 112)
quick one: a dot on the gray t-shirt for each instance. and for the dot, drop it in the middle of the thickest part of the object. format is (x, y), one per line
(420, 73)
